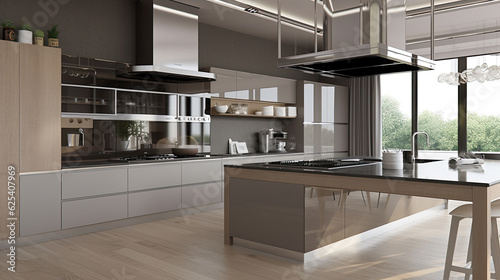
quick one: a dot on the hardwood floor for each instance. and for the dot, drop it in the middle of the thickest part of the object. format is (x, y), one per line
(192, 248)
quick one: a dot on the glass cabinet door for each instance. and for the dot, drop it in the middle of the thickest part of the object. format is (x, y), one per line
(130, 102)
(80, 99)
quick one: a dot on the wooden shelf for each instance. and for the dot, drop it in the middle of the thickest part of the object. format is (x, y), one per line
(253, 106)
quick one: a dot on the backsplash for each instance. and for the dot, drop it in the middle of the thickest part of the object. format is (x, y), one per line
(242, 129)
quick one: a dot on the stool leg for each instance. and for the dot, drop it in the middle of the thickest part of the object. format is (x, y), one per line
(452, 240)
(495, 247)
(469, 255)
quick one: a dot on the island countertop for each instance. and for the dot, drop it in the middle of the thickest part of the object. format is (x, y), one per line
(485, 175)
(477, 184)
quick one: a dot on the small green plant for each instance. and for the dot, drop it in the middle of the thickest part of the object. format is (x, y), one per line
(53, 32)
(39, 33)
(25, 26)
(125, 129)
(7, 24)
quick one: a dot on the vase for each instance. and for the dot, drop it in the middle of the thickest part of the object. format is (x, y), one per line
(25, 36)
(9, 34)
(123, 145)
(53, 42)
(39, 41)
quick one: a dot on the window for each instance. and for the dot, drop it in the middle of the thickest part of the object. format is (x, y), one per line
(438, 109)
(396, 110)
(483, 114)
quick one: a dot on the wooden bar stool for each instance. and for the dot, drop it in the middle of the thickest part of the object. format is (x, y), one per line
(464, 212)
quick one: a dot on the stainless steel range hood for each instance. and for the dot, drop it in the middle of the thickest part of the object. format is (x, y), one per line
(167, 42)
(361, 40)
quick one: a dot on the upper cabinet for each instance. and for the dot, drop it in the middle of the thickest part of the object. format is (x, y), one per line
(325, 103)
(249, 86)
(40, 108)
(113, 103)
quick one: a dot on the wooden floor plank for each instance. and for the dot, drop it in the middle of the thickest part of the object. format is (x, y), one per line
(192, 248)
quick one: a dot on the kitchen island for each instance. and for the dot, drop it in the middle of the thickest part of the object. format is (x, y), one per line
(263, 201)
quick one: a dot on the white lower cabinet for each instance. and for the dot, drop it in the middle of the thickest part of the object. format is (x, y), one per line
(199, 171)
(40, 203)
(98, 181)
(151, 176)
(155, 201)
(201, 194)
(93, 210)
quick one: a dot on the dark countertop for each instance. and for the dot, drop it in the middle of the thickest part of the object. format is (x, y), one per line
(438, 171)
(109, 163)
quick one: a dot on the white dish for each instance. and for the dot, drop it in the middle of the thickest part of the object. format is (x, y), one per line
(221, 108)
(258, 113)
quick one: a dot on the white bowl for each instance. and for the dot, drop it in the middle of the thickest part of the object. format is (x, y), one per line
(258, 113)
(221, 108)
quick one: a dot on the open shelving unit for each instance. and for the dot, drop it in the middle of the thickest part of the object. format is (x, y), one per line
(253, 106)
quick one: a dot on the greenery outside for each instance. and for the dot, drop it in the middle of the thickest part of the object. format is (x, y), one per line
(483, 132)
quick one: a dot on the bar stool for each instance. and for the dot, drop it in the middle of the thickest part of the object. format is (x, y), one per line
(464, 212)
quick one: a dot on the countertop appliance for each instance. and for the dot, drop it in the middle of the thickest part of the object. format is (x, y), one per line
(272, 141)
(328, 163)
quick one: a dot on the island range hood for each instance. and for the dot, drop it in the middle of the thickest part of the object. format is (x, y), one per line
(360, 38)
(167, 43)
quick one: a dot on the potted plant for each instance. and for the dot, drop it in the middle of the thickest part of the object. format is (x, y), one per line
(39, 35)
(52, 34)
(25, 34)
(9, 32)
(129, 132)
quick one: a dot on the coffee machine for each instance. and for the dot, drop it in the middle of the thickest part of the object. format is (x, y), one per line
(271, 141)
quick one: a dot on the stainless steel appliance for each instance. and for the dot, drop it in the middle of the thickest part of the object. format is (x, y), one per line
(272, 141)
(328, 163)
(193, 127)
(167, 42)
(378, 48)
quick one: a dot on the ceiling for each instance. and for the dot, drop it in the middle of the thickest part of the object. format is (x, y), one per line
(229, 14)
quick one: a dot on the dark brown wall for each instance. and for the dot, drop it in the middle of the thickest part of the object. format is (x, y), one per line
(88, 28)
(105, 29)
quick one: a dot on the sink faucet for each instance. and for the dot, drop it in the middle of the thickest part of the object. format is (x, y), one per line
(413, 143)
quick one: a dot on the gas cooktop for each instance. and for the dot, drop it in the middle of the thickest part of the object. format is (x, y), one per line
(155, 157)
(329, 163)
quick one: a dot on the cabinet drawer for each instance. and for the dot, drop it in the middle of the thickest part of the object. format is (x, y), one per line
(155, 201)
(93, 182)
(201, 194)
(93, 210)
(154, 176)
(41, 203)
(201, 171)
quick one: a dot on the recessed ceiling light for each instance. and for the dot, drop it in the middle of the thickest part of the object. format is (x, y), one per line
(252, 10)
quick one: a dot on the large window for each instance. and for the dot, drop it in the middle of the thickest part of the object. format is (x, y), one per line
(396, 110)
(437, 110)
(483, 109)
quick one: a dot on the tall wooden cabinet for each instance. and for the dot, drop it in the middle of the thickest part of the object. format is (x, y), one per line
(40, 108)
(30, 112)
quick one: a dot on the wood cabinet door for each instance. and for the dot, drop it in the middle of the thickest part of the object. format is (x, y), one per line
(40, 108)
(9, 117)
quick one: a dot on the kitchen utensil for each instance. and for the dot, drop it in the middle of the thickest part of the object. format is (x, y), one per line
(258, 113)
(392, 159)
(221, 108)
(280, 111)
(73, 139)
(291, 111)
(268, 110)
